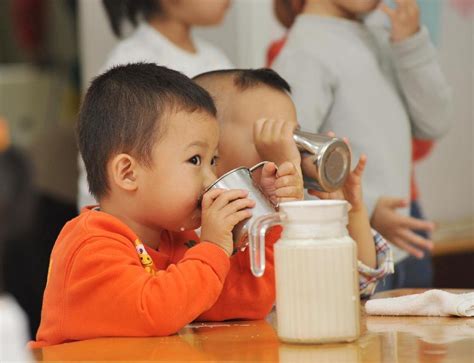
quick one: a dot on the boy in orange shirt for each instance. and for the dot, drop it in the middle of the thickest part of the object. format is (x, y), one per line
(257, 118)
(133, 266)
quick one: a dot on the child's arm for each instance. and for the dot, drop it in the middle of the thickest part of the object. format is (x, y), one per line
(274, 142)
(103, 290)
(373, 252)
(283, 184)
(426, 92)
(281, 180)
(245, 296)
(359, 225)
(398, 228)
(105, 283)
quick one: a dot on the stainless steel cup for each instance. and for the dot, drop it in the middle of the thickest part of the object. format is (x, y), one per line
(325, 161)
(241, 178)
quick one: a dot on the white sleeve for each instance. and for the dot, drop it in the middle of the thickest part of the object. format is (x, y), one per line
(312, 87)
(425, 89)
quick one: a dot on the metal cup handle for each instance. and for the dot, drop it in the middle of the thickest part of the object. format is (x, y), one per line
(258, 165)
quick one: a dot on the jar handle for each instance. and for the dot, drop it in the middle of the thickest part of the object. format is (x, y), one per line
(258, 229)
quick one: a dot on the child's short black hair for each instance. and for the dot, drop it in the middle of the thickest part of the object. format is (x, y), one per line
(122, 113)
(248, 78)
(131, 10)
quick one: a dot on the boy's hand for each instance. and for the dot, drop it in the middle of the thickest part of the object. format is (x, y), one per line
(274, 141)
(405, 19)
(398, 228)
(221, 211)
(282, 184)
(351, 190)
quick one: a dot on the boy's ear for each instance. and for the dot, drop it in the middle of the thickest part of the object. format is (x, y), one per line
(124, 172)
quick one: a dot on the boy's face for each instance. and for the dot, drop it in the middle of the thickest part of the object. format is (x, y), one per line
(287, 10)
(197, 12)
(183, 165)
(236, 143)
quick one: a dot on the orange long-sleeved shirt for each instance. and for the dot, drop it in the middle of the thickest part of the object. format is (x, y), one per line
(98, 286)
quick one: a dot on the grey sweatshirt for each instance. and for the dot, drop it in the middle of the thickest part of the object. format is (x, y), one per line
(348, 77)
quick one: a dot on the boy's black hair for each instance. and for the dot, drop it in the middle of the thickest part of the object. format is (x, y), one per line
(122, 112)
(131, 10)
(248, 78)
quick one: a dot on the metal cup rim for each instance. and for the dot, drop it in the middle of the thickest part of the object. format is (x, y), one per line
(223, 176)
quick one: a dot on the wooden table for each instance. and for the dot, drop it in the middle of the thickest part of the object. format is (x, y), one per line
(383, 339)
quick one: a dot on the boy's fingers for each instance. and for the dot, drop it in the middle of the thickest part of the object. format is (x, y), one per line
(325, 195)
(416, 240)
(267, 129)
(286, 131)
(257, 127)
(288, 180)
(408, 247)
(413, 7)
(269, 170)
(395, 203)
(227, 196)
(359, 169)
(418, 224)
(286, 168)
(237, 205)
(239, 216)
(291, 192)
(402, 4)
(331, 134)
(387, 10)
(209, 197)
(317, 193)
(277, 127)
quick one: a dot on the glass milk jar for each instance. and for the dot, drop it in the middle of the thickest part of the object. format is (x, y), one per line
(317, 290)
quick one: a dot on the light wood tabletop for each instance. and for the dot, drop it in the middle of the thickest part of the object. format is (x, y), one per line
(383, 339)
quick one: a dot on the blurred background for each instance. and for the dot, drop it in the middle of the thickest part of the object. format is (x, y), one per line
(50, 50)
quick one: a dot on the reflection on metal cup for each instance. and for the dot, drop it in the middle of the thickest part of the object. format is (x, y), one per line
(241, 178)
(325, 161)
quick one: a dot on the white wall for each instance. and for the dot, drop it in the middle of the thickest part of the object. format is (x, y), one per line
(446, 178)
(95, 38)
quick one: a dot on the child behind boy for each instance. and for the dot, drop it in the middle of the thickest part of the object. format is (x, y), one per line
(257, 118)
(163, 36)
(133, 266)
(379, 88)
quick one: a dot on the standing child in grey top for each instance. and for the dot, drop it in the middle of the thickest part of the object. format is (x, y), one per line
(378, 88)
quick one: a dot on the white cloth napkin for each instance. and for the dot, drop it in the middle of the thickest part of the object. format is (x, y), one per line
(429, 303)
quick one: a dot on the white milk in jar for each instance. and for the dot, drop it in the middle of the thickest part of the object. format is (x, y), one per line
(317, 290)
